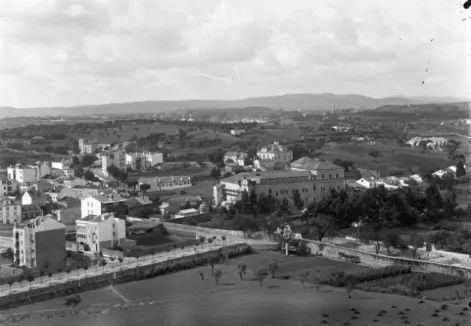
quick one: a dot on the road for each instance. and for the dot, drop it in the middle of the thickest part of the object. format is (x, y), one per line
(111, 267)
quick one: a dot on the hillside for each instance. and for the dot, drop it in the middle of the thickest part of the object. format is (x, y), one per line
(316, 102)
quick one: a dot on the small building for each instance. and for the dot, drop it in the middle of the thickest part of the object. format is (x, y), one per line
(138, 205)
(44, 185)
(74, 182)
(69, 202)
(176, 204)
(101, 231)
(39, 242)
(166, 183)
(10, 210)
(276, 152)
(87, 146)
(237, 132)
(61, 165)
(30, 197)
(186, 213)
(31, 211)
(264, 164)
(101, 204)
(68, 216)
(367, 182)
(8, 187)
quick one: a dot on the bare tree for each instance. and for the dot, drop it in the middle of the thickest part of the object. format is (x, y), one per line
(242, 268)
(273, 268)
(260, 275)
(217, 276)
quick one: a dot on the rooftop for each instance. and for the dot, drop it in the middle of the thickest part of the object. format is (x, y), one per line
(263, 175)
(97, 218)
(313, 164)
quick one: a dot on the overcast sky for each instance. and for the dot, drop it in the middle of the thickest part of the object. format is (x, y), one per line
(61, 53)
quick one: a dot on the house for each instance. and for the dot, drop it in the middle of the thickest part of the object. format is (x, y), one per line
(139, 205)
(186, 213)
(176, 204)
(276, 152)
(87, 146)
(74, 182)
(44, 185)
(8, 187)
(279, 184)
(69, 173)
(264, 164)
(367, 182)
(100, 204)
(116, 158)
(237, 132)
(38, 243)
(69, 202)
(354, 186)
(31, 211)
(102, 231)
(166, 183)
(241, 159)
(21, 173)
(78, 192)
(30, 197)
(230, 156)
(68, 216)
(10, 211)
(53, 195)
(61, 165)
(142, 160)
(417, 178)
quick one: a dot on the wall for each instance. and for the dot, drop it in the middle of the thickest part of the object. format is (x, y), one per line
(371, 259)
(6, 242)
(50, 247)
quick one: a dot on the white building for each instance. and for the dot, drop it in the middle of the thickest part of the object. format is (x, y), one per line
(74, 182)
(101, 231)
(143, 160)
(367, 182)
(186, 213)
(10, 211)
(277, 153)
(87, 146)
(61, 165)
(166, 183)
(237, 132)
(101, 204)
(29, 173)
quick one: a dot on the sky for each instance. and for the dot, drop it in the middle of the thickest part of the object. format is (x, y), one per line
(76, 52)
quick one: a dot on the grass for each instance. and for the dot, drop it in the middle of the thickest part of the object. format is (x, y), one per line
(238, 302)
(452, 292)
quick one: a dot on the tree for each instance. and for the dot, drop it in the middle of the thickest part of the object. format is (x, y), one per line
(215, 173)
(88, 160)
(297, 200)
(120, 259)
(30, 279)
(223, 238)
(350, 286)
(242, 269)
(42, 272)
(372, 235)
(428, 248)
(49, 274)
(391, 239)
(416, 241)
(321, 225)
(133, 184)
(8, 254)
(85, 268)
(217, 276)
(68, 273)
(273, 268)
(212, 262)
(144, 187)
(202, 238)
(103, 263)
(210, 241)
(260, 275)
(460, 170)
(10, 283)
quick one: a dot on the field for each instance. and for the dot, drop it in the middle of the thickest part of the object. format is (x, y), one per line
(391, 160)
(201, 135)
(184, 299)
(188, 171)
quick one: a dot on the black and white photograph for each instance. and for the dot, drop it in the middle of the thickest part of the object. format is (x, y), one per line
(235, 162)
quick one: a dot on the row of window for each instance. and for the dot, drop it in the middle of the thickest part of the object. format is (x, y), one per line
(304, 190)
(7, 214)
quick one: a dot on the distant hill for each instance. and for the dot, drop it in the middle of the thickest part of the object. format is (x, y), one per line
(307, 102)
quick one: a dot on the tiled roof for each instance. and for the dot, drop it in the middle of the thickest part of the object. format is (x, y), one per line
(96, 218)
(279, 174)
(274, 148)
(105, 199)
(314, 164)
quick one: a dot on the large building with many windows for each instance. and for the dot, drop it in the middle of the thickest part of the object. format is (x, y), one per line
(313, 181)
(10, 211)
(39, 243)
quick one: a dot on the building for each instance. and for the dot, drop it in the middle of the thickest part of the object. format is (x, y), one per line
(278, 184)
(74, 182)
(176, 204)
(31, 211)
(100, 204)
(143, 160)
(328, 174)
(30, 197)
(140, 205)
(61, 165)
(21, 173)
(237, 132)
(369, 173)
(166, 183)
(116, 158)
(39, 242)
(428, 142)
(186, 213)
(78, 192)
(10, 211)
(264, 165)
(68, 216)
(8, 187)
(277, 153)
(87, 146)
(44, 185)
(367, 182)
(101, 231)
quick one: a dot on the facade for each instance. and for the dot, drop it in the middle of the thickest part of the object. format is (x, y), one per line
(22, 174)
(8, 186)
(29, 198)
(39, 242)
(276, 152)
(328, 175)
(10, 211)
(61, 165)
(101, 231)
(78, 192)
(68, 216)
(264, 165)
(31, 211)
(116, 158)
(186, 213)
(166, 183)
(367, 182)
(74, 182)
(142, 160)
(87, 146)
(278, 184)
(101, 204)
(176, 204)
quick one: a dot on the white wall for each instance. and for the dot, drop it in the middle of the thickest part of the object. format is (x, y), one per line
(90, 206)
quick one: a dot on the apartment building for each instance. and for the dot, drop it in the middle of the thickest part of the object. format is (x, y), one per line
(87, 146)
(10, 211)
(8, 186)
(100, 204)
(39, 242)
(100, 231)
(166, 183)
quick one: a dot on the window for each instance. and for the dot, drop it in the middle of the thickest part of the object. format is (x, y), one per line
(322, 176)
(330, 176)
(276, 193)
(314, 187)
(337, 175)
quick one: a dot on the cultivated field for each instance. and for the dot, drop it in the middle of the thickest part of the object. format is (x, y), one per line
(184, 299)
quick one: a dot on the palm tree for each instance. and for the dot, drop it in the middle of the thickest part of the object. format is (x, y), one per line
(112, 258)
(242, 268)
(68, 273)
(85, 267)
(137, 260)
(10, 283)
(152, 252)
(214, 239)
(223, 238)
(217, 276)
(49, 274)
(210, 241)
(202, 239)
(42, 272)
(273, 267)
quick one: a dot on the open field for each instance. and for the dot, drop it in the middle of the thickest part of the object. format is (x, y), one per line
(184, 299)
(392, 157)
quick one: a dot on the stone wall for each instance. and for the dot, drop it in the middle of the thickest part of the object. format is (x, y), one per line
(371, 259)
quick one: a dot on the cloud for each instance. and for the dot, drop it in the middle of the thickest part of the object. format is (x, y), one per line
(70, 52)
